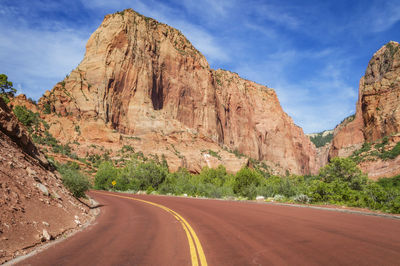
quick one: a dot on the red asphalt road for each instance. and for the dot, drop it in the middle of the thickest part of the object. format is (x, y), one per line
(129, 232)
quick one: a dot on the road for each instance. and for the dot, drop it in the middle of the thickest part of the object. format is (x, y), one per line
(156, 232)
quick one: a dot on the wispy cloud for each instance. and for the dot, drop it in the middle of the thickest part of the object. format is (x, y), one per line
(311, 52)
(38, 59)
(383, 15)
(278, 15)
(318, 101)
(196, 34)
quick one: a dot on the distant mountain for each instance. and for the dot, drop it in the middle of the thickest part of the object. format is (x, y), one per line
(322, 138)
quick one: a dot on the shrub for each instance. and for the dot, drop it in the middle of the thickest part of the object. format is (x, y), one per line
(5, 98)
(212, 153)
(25, 116)
(149, 174)
(104, 176)
(46, 109)
(74, 180)
(178, 183)
(393, 182)
(302, 199)
(278, 197)
(245, 180)
(216, 176)
(391, 154)
(343, 169)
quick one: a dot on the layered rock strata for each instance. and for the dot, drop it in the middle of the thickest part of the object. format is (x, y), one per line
(377, 112)
(141, 77)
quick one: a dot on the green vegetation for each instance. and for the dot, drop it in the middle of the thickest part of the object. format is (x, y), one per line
(136, 175)
(78, 129)
(340, 182)
(212, 153)
(25, 116)
(5, 98)
(46, 109)
(392, 153)
(73, 179)
(321, 140)
(6, 87)
(33, 123)
(378, 150)
(392, 49)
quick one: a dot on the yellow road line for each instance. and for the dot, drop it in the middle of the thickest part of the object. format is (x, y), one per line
(194, 242)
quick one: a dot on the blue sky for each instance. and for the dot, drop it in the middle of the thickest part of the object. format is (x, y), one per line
(312, 52)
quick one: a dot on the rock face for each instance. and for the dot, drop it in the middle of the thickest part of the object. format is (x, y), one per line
(377, 113)
(10, 126)
(33, 199)
(21, 100)
(380, 92)
(144, 78)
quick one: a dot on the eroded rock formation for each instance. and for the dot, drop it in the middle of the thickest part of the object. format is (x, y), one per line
(377, 113)
(141, 77)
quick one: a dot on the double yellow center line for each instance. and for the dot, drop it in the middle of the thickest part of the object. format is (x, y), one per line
(196, 250)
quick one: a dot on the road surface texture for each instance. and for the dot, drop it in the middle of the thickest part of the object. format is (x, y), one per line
(133, 232)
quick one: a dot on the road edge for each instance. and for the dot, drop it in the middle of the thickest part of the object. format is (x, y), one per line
(60, 238)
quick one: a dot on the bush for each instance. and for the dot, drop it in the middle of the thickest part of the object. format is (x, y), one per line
(216, 176)
(46, 109)
(74, 180)
(302, 199)
(5, 98)
(343, 169)
(245, 182)
(339, 182)
(149, 174)
(25, 116)
(391, 154)
(178, 183)
(278, 197)
(105, 175)
(388, 183)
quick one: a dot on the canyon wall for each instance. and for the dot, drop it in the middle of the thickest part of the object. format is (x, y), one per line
(141, 77)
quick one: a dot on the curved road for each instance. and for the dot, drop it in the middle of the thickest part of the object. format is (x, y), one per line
(134, 232)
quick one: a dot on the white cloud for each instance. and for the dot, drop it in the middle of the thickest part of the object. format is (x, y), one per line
(383, 15)
(209, 9)
(316, 103)
(204, 41)
(277, 14)
(38, 59)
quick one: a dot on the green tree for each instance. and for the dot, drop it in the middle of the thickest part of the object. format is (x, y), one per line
(343, 169)
(246, 180)
(6, 87)
(105, 175)
(149, 174)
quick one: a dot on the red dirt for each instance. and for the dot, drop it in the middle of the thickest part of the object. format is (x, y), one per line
(231, 233)
(25, 211)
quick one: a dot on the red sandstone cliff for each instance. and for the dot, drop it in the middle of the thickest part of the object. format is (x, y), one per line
(143, 78)
(377, 113)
